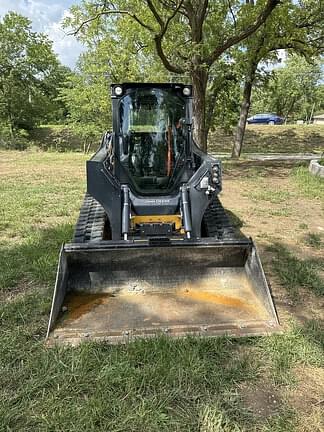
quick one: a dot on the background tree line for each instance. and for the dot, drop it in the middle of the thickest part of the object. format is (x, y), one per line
(30, 80)
(226, 49)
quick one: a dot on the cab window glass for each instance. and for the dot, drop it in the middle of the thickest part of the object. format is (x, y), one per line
(152, 124)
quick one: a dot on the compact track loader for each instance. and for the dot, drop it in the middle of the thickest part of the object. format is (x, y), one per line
(154, 251)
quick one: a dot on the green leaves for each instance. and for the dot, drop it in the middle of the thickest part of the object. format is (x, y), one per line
(29, 74)
(293, 91)
(118, 50)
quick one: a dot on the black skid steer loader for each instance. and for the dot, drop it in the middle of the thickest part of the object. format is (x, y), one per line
(154, 251)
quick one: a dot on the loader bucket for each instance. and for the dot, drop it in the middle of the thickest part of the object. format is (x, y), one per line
(117, 292)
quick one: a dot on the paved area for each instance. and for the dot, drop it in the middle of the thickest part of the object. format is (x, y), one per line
(273, 156)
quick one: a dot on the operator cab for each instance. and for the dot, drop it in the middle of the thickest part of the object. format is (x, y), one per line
(154, 134)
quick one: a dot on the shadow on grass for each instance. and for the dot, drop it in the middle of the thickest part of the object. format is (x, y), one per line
(235, 220)
(295, 273)
(273, 139)
(34, 261)
(282, 141)
(62, 139)
(254, 168)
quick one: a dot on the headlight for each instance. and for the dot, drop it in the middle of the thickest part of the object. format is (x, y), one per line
(186, 91)
(215, 169)
(215, 174)
(118, 91)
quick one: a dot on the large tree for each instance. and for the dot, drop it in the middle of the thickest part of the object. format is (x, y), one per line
(29, 74)
(189, 36)
(296, 27)
(110, 57)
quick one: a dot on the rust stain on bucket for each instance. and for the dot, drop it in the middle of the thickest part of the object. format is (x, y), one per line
(81, 304)
(205, 296)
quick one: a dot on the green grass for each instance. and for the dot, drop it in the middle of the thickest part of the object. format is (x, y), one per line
(314, 240)
(272, 196)
(309, 185)
(282, 212)
(295, 273)
(303, 225)
(302, 345)
(149, 385)
(40, 217)
(272, 139)
(193, 384)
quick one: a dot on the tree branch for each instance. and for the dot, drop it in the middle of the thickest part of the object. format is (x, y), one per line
(232, 13)
(111, 12)
(176, 10)
(155, 13)
(167, 64)
(271, 4)
(159, 36)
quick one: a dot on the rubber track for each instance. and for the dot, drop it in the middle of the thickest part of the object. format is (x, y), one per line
(91, 223)
(218, 224)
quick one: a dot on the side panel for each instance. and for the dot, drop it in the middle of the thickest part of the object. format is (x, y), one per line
(60, 289)
(199, 197)
(105, 189)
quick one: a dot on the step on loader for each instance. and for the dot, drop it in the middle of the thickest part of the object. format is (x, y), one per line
(154, 250)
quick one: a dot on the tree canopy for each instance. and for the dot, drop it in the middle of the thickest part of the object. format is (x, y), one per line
(293, 91)
(294, 27)
(189, 36)
(223, 48)
(110, 57)
(30, 75)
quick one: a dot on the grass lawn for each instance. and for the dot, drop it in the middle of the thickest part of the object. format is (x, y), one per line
(272, 139)
(206, 385)
(258, 139)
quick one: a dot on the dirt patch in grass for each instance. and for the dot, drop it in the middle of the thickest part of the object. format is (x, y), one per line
(20, 289)
(313, 422)
(261, 399)
(270, 204)
(307, 398)
(308, 393)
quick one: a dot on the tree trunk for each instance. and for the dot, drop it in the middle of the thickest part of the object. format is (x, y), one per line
(10, 117)
(200, 132)
(10, 123)
(291, 106)
(244, 112)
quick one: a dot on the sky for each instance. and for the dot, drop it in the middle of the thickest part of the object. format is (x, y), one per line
(46, 17)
